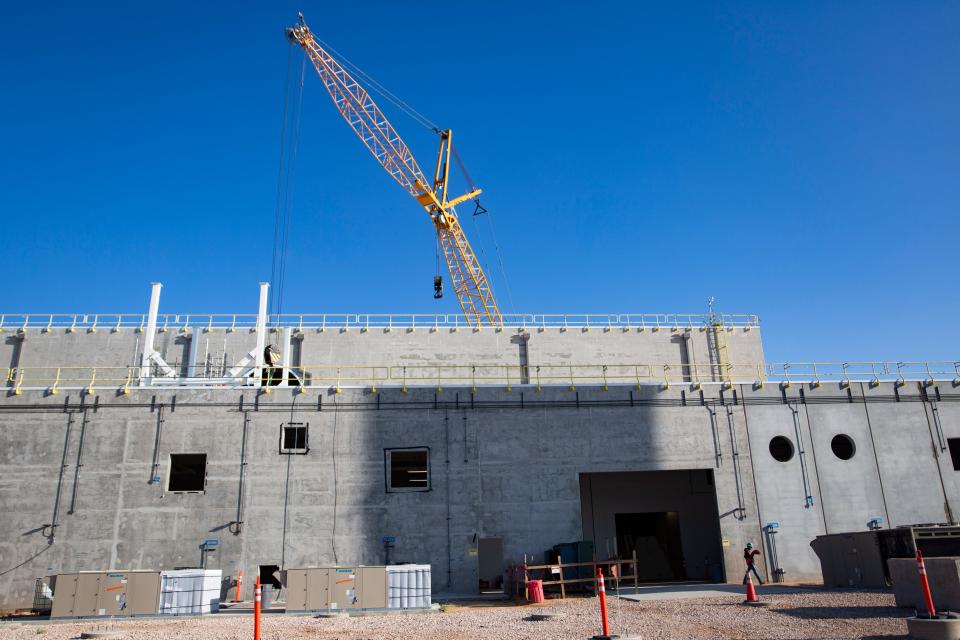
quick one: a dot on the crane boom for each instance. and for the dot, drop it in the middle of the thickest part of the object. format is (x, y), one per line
(363, 115)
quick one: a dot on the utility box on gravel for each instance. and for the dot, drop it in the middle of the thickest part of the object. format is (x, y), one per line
(88, 594)
(405, 586)
(943, 575)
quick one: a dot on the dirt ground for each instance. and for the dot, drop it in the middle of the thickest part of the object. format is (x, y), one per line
(799, 616)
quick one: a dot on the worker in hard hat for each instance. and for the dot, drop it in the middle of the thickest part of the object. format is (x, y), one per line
(749, 554)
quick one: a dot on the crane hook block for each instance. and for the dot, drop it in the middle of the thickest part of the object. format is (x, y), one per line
(438, 287)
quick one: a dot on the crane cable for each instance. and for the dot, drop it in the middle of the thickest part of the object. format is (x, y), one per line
(493, 234)
(276, 218)
(383, 91)
(285, 185)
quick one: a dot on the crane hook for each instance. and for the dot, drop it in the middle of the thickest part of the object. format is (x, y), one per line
(437, 287)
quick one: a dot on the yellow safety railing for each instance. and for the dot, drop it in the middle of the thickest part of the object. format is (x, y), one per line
(52, 379)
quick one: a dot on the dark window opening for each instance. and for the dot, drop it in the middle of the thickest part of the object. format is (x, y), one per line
(954, 444)
(408, 469)
(781, 449)
(293, 437)
(842, 446)
(188, 472)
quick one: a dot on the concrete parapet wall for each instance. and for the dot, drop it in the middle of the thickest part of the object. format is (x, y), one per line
(689, 352)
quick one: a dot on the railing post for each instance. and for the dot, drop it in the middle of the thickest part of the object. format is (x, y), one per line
(563, 589)
(93, 380)
(53, 390)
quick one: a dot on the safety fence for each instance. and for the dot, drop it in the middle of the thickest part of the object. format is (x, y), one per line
(574, 576)
(54, 378)
(321, 321)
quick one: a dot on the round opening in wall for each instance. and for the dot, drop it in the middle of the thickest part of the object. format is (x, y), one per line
(781, 449)
(843, 446)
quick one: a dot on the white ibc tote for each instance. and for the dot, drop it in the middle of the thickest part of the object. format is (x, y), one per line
(190, 591)
(408, 586)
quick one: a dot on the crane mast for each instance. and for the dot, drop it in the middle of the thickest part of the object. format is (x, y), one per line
(363, 115)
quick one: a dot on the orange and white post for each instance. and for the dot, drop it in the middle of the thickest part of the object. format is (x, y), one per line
(922, 568)
(236, 598)
(602, 592)
(256, 609)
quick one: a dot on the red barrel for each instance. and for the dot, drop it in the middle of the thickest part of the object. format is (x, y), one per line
(535, 590)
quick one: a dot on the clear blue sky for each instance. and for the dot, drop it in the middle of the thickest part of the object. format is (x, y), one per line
(798, 160)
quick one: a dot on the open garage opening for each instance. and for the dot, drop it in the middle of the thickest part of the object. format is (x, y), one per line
(668, 518)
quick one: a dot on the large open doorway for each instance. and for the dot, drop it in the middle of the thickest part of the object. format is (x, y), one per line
(668, 519)
(490, 565)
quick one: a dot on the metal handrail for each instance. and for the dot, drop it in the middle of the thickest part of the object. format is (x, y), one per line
(225, 321)
(54, 378)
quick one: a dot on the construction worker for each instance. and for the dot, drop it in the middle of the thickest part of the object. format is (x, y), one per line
(272, 375)
(749, 553)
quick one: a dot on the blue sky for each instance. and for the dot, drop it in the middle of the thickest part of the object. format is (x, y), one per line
(794, 160)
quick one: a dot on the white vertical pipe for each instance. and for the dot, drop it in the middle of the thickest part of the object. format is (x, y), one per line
(286, 355)
(261, 332)
(151, 329)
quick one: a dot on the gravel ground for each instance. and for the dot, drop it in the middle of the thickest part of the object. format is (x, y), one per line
(809, 615)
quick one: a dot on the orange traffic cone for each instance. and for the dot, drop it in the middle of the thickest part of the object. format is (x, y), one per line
(751, 591)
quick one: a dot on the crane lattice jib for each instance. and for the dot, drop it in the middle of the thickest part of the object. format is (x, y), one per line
(362, 114)
(359, 110)
(469, 282)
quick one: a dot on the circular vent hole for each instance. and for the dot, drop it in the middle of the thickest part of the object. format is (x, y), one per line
(842, 446)
(781, 449)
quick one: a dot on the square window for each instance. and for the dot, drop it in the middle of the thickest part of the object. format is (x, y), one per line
(293, 438)
(954, 444)
(188, 472)
(407, 469)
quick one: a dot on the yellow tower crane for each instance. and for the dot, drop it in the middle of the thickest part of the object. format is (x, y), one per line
(378, 135)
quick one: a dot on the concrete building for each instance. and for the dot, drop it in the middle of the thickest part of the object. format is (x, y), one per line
(126, 442)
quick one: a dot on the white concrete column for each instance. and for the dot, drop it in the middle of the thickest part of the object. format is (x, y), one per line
(151, 330)
(261, 331)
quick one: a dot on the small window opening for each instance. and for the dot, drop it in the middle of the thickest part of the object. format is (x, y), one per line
(954, 444)
(188, 472)
(408, 469)
(293, 438)
(781, 449)
(842, 446)
(269, 576)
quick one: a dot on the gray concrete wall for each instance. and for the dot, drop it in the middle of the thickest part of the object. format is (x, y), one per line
(899, 471)
(850, 491)
(509, 472)
(782, 487)
(503, 464)
(910, 463)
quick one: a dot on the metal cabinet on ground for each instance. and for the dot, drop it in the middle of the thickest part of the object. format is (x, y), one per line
(356, 588)
(106, 593)
(135, 593)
